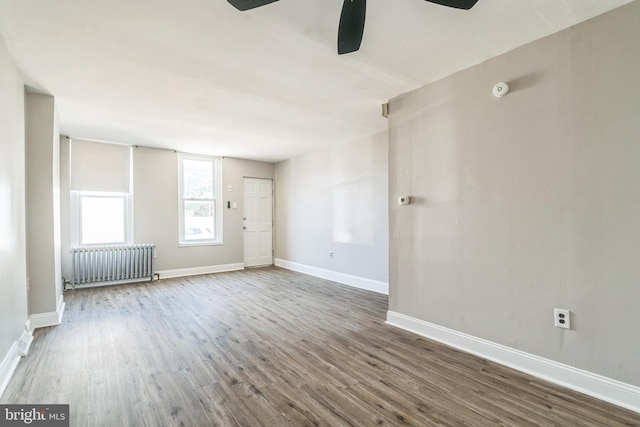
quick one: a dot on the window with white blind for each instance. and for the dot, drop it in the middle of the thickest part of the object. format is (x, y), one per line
(101, 193)
(200, 208)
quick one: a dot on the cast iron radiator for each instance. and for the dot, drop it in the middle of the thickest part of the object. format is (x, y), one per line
(105, 265)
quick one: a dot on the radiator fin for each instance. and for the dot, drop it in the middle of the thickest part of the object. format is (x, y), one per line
(112, 264)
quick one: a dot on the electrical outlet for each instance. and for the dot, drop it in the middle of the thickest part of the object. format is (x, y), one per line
(331, 254)
(562, 318)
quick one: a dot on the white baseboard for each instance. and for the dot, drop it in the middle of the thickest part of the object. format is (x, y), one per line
(12, 358)
(607, 389)
(8, 366)
(208, 269)
(52, 318)
(334, 276)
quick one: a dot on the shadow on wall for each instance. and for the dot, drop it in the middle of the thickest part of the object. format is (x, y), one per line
(352, 194)
(524, 82)
(353, 212)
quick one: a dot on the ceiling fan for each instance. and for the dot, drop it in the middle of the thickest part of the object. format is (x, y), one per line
(351, 25)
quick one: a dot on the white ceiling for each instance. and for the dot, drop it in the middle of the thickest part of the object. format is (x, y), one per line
(267, 84)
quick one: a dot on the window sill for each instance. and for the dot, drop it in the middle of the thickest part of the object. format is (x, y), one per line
(207, 243)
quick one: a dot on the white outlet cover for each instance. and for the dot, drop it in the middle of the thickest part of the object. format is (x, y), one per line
(560, 314)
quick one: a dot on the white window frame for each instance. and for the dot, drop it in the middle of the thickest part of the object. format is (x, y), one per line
(76, 217)
(217, 199)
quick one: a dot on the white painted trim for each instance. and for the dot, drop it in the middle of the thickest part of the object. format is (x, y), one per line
(12, 358)
(598, 386)
(52, 318)
(346, 279)
(60, 307)
(208, 269)
(8, 366)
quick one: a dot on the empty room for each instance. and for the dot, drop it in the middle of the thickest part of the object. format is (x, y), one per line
(292, 213)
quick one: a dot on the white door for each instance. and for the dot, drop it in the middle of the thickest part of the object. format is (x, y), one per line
(258, 222)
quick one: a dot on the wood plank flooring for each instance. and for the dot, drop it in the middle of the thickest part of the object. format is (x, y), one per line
(270, 347)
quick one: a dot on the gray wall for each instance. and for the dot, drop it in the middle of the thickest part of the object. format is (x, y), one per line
(65, 206)
(155, 186)
(335, 199)
(43, 204)
(528, 202)
(155, 183)
(13, 269)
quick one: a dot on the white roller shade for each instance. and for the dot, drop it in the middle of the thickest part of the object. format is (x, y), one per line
(97, 166)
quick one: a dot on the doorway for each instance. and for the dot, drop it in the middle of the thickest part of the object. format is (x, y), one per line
(258, 222)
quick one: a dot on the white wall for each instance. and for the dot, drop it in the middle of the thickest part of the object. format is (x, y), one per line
(43, 204)
(528, 202)
(13, 270)
(335, 199)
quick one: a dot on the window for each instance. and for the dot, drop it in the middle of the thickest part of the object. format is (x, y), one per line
(101, 193)
(200, 208)
(103, 218)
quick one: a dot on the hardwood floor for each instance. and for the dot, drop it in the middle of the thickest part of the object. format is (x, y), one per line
(269, 347)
